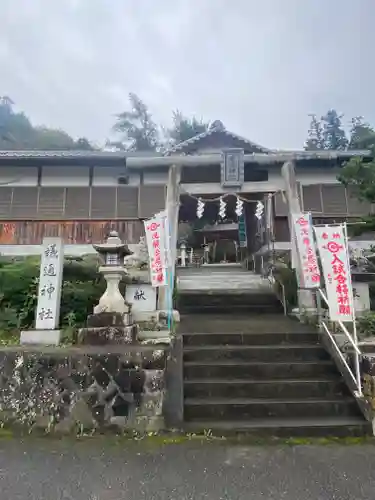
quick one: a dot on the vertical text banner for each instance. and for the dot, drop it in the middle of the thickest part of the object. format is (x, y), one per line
(156, 241)
(334, 255)
(310, 272)
(50, 282)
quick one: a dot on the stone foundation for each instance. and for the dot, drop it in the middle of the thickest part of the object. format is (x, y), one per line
(108, 329)
(368, 377)
(83, 389)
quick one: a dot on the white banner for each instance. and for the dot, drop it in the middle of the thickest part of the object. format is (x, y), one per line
(310, 272)
(334, 256)
(164, 216)
(156, 242)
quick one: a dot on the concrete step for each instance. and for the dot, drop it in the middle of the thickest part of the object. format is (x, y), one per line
(210, 279)
(254, 339)
(237, 369)
(224, 298)
(267, 389)
(259, 353)
(241, 323)
(219, 303)
(285, 428)
(261, 309)
(247, 409)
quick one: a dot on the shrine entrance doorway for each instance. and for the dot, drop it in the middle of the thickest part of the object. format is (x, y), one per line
(218, 236)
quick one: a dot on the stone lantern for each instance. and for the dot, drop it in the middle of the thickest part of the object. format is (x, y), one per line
(112, 321)
(112, 254)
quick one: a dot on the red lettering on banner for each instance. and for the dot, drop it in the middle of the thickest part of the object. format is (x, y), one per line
(340, 278)
(339, 272)
(153, 226)
(342, 289)
(160, 277)
(345, 310)
(154, 232)
(302, 221)
(310, 266)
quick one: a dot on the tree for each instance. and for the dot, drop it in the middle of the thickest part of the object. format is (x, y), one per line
(327, 133)
(334, 136)
(185, 128)
(15, 128)
(17, 132)
(362, 135)
(359, 173)
(315, 135)
(52, 139)
(138, 130)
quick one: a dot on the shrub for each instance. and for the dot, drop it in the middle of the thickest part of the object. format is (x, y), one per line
(366, 325)
(285, 275)
(82, 287)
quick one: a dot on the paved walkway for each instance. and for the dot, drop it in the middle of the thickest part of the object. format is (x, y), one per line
(102, 469)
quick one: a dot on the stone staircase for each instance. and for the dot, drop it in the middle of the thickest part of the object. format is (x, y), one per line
(263, 374)
(224, 288)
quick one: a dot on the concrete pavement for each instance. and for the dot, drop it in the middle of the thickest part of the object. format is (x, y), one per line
(106, 469)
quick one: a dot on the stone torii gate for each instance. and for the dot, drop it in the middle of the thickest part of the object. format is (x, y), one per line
(176, 162)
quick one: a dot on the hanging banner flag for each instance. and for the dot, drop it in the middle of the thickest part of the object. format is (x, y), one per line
(155, 230)
(310, 272)
(333, 250)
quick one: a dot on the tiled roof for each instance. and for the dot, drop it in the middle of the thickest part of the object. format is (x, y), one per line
(212, 130)
(62, 154)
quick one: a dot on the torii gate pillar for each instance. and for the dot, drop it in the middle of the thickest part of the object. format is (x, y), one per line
(306, 301)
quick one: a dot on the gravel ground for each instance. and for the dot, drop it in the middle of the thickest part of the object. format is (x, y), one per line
(106, 469)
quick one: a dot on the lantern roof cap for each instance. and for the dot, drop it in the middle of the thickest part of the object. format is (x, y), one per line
(113, 244)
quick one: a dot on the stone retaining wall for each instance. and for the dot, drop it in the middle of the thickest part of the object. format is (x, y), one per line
(88, 388)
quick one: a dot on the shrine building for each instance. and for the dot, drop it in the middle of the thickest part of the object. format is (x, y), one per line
(81, 196)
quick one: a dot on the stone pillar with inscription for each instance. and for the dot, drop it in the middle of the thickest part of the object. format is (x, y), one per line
(49, 295)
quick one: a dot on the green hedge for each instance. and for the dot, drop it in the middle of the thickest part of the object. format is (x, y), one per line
(81, 290)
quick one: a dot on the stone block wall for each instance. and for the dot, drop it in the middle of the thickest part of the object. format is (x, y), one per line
(368, 378)
(83, 389)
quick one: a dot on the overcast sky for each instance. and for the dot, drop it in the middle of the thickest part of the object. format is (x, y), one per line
(260, 66)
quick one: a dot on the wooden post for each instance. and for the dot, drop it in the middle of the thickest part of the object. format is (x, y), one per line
(305, 297)
(172, 207)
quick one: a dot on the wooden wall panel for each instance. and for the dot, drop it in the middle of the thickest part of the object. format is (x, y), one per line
(281, 229)
(330, 200)
(312, 198)
(151, 200)
(72, 232)
(6, 195)
(103, 203)
(334, 199)
(77, 203)
(24, 203)
(127, 202)
(51, 204)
